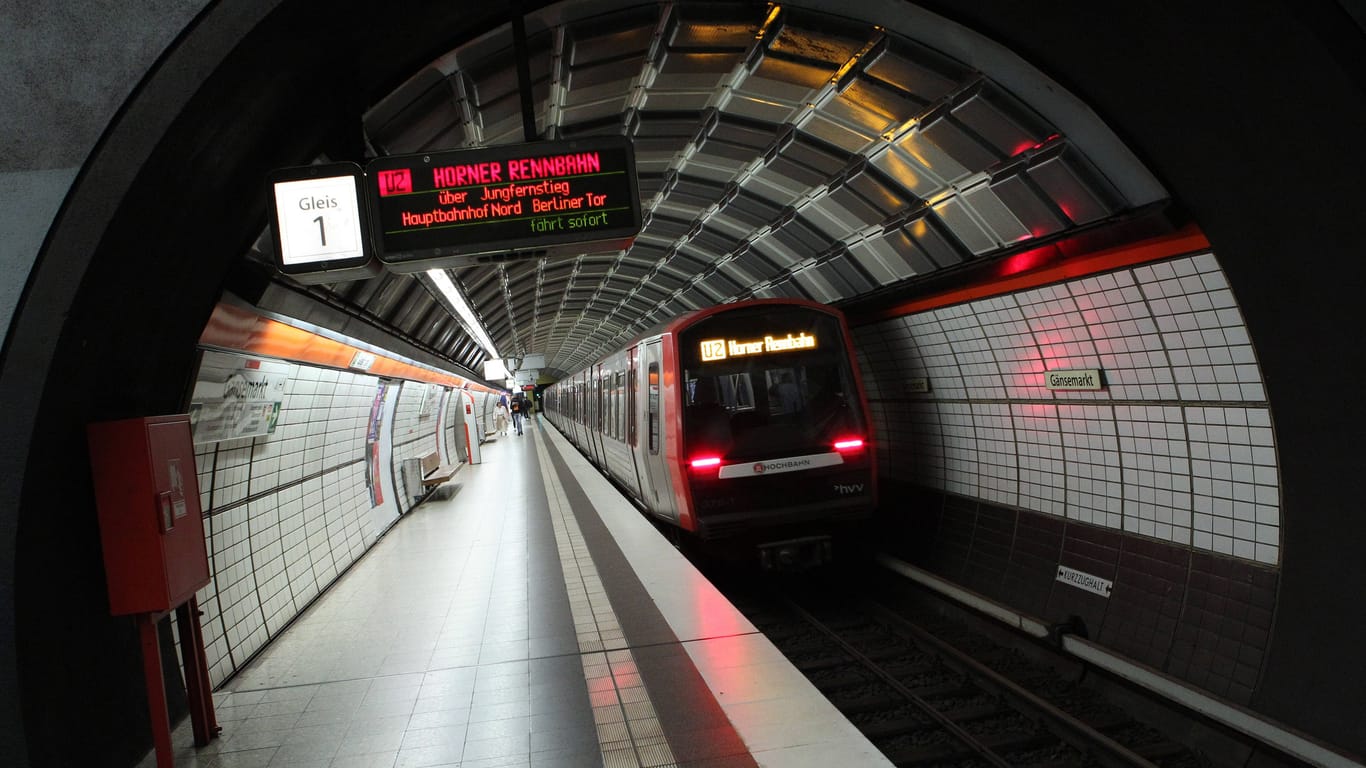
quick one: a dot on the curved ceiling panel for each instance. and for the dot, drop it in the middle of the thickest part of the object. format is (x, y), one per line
(782, 151)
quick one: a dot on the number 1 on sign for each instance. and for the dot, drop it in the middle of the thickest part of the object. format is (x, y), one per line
(322, 233)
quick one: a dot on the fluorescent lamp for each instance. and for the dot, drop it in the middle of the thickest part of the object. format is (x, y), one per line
(472, 324)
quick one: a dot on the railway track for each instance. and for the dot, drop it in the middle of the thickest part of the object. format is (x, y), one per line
(930, 693)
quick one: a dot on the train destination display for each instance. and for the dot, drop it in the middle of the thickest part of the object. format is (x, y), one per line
(445, 208)
(319, 223)
(720, 349)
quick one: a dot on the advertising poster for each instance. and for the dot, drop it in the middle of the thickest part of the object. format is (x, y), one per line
(372, 473)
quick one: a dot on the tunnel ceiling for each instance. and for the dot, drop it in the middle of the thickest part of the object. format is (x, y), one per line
(781, 151)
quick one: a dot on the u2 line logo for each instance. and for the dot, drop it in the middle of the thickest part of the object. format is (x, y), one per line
(713, 349)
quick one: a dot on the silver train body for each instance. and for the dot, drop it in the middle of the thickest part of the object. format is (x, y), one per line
(743, 422)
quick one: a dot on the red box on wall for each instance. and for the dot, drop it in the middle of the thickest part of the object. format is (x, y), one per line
(151, 528)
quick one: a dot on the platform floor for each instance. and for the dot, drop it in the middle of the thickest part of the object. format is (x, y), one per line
(530, 618)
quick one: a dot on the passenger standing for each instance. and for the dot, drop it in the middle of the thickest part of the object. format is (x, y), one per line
(501, 417)
(516, 407)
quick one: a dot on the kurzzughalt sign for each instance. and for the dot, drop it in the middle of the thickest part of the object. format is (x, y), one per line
(1086, 581)
(1088, 378)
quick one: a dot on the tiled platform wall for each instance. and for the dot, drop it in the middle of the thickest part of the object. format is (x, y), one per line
(286, 513)
(1165, 482)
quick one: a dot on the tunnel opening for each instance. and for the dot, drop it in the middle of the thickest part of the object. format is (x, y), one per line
(119, 237)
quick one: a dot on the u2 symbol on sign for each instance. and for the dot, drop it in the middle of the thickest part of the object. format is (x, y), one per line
(713, 349)
(395, 182)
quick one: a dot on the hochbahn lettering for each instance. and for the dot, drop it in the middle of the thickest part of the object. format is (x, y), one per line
(779, 466)
(437, 206)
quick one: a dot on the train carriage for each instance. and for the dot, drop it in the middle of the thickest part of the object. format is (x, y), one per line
(744, 423)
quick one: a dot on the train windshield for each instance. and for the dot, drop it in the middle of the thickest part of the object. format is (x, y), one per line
(768, 381)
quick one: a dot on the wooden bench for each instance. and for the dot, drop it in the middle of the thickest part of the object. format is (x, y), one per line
(435, 473)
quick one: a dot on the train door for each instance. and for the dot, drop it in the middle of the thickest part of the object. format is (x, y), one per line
(658, 496)
(595, 422)
(580, 412)
(604, 410)
(586, 413)
(634, 419)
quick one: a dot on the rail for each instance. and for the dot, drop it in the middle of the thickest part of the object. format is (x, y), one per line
(1254, 726)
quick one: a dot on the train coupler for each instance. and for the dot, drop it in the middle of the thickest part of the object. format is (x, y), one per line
(796, 554)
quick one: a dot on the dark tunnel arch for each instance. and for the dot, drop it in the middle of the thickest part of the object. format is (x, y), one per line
(126, 280)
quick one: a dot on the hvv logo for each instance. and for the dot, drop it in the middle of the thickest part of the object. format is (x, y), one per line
(848, 490)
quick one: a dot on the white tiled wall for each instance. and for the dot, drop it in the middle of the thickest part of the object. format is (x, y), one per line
(415, 427)
(1178, 447)
(272, 554)
(1038, 438)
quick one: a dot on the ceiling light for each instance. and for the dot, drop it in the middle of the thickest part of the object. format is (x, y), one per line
(462, 309)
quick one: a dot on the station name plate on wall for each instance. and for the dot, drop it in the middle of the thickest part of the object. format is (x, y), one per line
(1084, 378)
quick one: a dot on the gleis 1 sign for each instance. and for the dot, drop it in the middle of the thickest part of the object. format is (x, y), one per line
(319, 225)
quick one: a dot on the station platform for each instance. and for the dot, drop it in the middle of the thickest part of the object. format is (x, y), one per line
(532, 617)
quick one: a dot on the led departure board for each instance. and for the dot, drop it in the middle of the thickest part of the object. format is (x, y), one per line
(449, 208)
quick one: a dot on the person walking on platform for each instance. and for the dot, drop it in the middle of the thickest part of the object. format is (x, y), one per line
(516, 407)
(501, 415)
(501, 419)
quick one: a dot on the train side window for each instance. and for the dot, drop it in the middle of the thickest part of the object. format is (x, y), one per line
(654, 408)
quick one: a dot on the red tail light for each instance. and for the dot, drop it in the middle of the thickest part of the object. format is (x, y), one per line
(706, 462)
(849, 444)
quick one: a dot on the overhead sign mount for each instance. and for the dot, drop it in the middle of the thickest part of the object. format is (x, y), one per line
(445, 209)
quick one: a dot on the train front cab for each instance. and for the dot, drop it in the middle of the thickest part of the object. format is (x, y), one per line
(776, 440)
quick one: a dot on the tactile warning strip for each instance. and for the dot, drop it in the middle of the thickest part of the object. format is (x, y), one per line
(629, 731)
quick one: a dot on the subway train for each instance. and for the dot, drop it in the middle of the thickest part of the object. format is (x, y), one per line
(740, 428)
